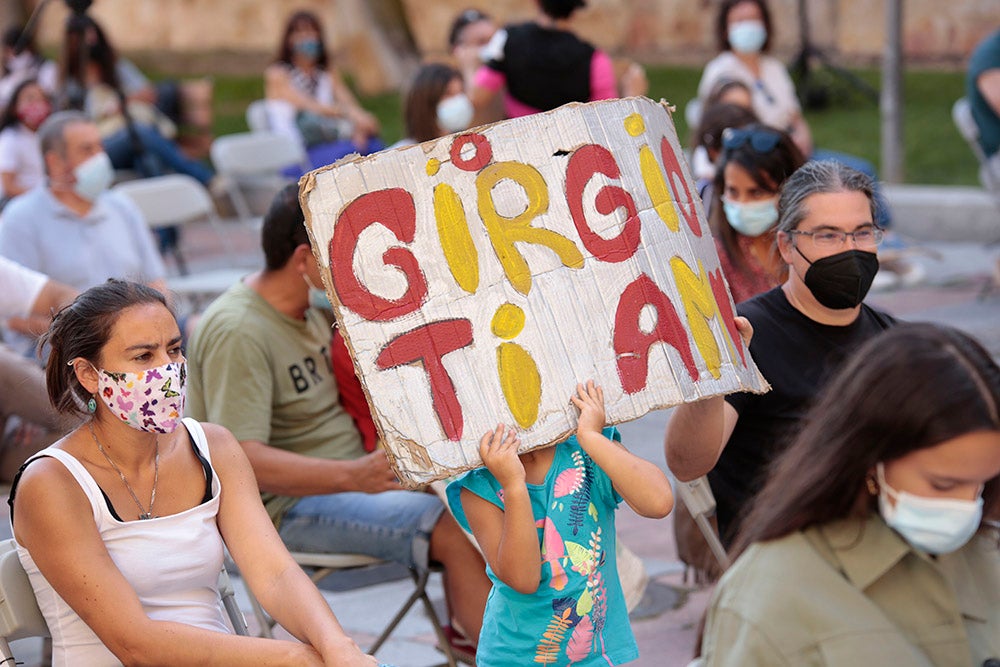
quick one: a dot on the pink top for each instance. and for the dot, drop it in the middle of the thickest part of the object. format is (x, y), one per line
(602, 84)
(749, 280)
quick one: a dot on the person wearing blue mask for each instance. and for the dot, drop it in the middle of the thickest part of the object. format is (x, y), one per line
(72, 228)
(754, 163)
(803, 331)
(874, 539)
(308, 100)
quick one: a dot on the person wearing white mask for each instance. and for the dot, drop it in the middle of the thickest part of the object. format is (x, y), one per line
(874, 539)
(754, 163)
(435, 105)
(72, 228)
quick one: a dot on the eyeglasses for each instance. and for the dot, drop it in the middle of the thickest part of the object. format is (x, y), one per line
(867, 237)
(761, 140)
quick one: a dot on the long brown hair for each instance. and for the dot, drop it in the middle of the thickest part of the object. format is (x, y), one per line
(909, 388)
(420, 108)
(769, 170)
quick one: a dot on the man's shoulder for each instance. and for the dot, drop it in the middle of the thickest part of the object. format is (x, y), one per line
(25, 209)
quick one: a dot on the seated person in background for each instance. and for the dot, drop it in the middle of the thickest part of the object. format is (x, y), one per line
(260, 365)
(27, 420)
(435, 105)
(706, 141)
(17, 66)
(874, 538)
(150, 151)
(21, 164)
(541, 65)
(802, 332)
(470, 32)
(74, 230)
(756, 161)
(982, 88)
(744, 35)
(309, 101)
(122, 581)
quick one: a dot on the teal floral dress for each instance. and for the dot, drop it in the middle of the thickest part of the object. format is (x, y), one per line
(578, 614)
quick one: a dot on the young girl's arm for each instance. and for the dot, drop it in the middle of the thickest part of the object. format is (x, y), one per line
(508, 537)
(640, 482)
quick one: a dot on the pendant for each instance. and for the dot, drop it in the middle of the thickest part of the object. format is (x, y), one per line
(145, 516)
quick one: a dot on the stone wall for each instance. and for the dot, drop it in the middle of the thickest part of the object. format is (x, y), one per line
(376, 38)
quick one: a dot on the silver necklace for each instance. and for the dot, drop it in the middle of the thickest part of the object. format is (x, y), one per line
(143, 514)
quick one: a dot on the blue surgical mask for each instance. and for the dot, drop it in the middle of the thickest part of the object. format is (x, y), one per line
(747, 36)
(454, 113)
(933, 525)
(93, 176)
(751, 219)
(307, 47)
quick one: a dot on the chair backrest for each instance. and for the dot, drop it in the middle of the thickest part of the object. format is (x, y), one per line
(257, 119)
(961, 113)
(19, 613)
(256, 154)
(169, 200)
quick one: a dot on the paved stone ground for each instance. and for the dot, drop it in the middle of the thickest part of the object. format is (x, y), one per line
(665, 623)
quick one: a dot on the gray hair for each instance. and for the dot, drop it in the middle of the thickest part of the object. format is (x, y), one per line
(824, 176)
(52, 133)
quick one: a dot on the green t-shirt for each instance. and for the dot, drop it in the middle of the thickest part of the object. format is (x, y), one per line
(267, 377)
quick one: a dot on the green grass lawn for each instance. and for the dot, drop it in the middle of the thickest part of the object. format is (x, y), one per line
(935, 152)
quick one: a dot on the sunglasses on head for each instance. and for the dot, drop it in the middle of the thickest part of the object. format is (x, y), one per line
(762, 140)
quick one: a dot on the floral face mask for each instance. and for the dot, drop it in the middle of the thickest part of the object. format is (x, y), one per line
(150, 400)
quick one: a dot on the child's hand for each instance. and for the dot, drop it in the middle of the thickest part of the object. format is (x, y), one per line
(498, 450)
(590, 402)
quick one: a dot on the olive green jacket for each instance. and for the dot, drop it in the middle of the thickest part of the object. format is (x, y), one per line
(853, 592)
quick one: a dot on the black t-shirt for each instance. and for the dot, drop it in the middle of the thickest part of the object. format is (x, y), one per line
(545, 68)
(797, 356)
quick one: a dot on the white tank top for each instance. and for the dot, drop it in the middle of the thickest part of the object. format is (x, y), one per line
(173, 563)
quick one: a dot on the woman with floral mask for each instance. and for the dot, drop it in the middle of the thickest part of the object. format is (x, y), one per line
(874, 539)
(121, 525)
(308, 99)
(755, 161)
(21, 163)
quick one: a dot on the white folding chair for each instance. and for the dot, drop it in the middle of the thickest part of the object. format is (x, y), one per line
(255, 160)
(21, 618)
(257, 119)
(322, 565)
(989, 171)
(697, 497)
(177, 199)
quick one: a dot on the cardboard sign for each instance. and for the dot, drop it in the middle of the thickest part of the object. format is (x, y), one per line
(479, 277)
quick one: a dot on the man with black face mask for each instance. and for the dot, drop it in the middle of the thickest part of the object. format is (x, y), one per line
(802, 331)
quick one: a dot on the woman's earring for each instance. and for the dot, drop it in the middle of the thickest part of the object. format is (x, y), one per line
(91, 405)
(872, 484)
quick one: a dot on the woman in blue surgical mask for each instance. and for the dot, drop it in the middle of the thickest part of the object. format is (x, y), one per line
(743, 211)
(307, 98)
(874, 538)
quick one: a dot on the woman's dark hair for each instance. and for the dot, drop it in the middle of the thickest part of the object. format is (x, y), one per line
(722, 23)
(560, 9)
(913, 387)
(79, 29)
(9, 116)
(420, 106)
(462, 21)
(768, 169)
(715, 119)
(81, 330)
(296, 20)
(11, 36)
(284, 228)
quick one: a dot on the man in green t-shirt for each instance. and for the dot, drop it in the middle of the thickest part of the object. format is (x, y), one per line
(259, 364)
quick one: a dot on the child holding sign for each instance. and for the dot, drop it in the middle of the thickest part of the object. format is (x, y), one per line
(545, 523)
